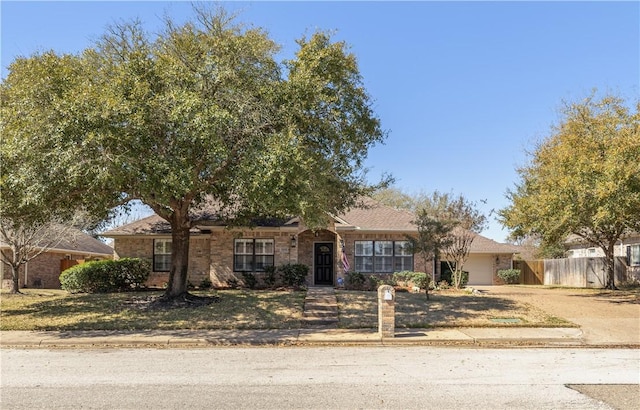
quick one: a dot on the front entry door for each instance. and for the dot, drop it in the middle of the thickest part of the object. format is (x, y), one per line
(323, 263)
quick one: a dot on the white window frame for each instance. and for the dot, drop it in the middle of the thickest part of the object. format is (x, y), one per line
(161, 255)
(384, 256)
(253, 254)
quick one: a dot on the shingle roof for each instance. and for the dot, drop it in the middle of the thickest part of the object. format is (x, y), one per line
(370, 216)
(77, 241)
(376, 217)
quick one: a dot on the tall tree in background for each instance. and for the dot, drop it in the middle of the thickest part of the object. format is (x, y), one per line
(583, 180)
(199, 114)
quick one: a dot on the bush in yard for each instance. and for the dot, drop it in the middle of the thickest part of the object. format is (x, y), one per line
(106, 276)
(509, 275)
(446, 276)
(270, 276)
(249, 279)
(293, 274)
(355, 281)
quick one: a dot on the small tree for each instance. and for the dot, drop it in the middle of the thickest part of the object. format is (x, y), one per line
(468, 221)
(433, 236)
(22, 242)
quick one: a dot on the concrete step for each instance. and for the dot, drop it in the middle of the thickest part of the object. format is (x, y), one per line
(320, 313)
(320, 308)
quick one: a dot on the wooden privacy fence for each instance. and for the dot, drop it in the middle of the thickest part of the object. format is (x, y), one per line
(532, 272)
(581, 272)
(575, 272)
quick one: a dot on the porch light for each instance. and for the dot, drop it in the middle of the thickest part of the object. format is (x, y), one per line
(293, 241)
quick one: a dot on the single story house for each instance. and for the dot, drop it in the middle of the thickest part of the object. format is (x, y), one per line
(44, 270)
(369, 239)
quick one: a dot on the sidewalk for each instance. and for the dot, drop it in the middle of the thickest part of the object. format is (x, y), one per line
(199, 338)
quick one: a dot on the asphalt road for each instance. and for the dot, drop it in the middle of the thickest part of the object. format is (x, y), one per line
(320, 378)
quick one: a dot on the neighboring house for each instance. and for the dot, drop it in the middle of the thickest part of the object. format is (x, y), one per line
(371, 240)
(627, 248)
(44, 270)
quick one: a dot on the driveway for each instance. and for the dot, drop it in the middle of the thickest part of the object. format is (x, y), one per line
(605, 317)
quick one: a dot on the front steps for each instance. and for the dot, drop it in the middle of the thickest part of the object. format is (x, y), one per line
(320, 308)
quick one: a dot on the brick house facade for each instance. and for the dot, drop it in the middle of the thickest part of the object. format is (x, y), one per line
(44, 270)
(372, 237)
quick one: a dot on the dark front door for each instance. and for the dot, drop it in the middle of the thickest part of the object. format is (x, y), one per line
(323, 263)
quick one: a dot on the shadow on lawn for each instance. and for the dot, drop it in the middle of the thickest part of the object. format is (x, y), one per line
(121, 312)
(413, 310)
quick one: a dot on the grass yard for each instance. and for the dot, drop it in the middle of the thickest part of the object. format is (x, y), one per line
(443, 309)
(237, 309)
(248, 309)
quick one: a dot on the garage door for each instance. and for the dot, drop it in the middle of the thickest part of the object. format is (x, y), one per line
(480, 268)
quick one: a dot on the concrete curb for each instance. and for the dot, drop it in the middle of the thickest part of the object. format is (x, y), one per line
(183, 338)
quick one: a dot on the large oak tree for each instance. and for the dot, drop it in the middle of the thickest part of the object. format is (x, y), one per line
(201, 113)
(583, 180)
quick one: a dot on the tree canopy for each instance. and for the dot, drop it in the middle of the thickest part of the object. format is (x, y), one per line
(582, 180)
(199, 113)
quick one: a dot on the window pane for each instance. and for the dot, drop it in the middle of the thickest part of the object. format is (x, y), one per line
(264, 246)
(244, 246)
(403, 263)
(162, 246)
(402, 248)
(363, 263)
(263, 261)
(243, 263)
(384, 248)
(384, 264)
(635, 255)
(161, 263)
(364, 248)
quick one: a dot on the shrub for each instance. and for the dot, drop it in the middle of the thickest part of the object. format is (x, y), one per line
(205, 284)
(447, 276)
(249, 279)
(402, 278)
(293, 274)
(355, 281)
(421, 280)
(509, 275)
(270, 276)
(106, 276)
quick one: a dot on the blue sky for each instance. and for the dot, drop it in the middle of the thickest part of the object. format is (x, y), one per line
(463, 88)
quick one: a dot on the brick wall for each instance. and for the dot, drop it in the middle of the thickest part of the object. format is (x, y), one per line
(501, 262)
(221, 251)
(41, 272)
(199, 257)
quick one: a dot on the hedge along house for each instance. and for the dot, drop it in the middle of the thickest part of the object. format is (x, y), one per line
(370, 239)
(44, 270)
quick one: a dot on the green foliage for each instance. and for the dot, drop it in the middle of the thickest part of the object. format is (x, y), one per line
(355, 281)
(448, 276)
(584, 179)
(205, 284)
(121, 275)
(184, 116)
(249, 279)
(270, 277)
(509, 275)
(293, 274)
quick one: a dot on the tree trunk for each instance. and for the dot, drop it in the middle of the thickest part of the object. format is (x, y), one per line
(178, 285)
(15, 283)
(610, 264)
